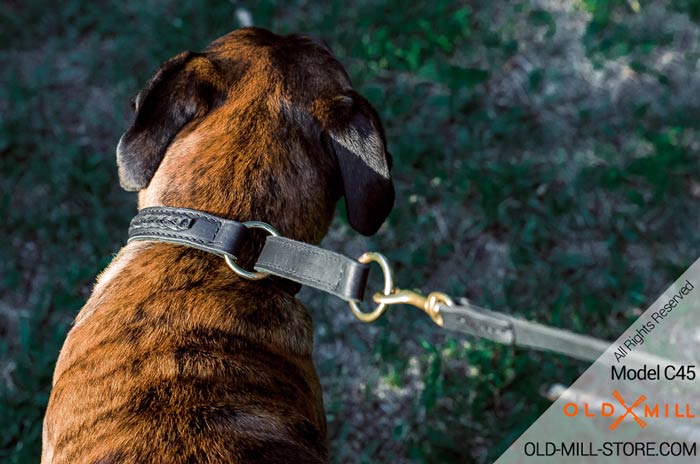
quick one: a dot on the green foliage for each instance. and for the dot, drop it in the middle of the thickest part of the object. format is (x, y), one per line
(497, 200)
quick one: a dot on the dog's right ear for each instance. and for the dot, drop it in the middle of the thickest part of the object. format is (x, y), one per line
(184, 88)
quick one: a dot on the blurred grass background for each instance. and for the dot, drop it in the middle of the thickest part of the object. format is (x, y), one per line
(546, 158)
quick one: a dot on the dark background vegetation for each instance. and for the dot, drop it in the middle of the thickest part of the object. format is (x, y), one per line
(546, 161)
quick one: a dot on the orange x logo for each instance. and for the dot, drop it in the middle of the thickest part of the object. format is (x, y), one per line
(628, 410)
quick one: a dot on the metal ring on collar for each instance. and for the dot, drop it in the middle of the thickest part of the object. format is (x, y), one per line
(378, 258)
(239, 270)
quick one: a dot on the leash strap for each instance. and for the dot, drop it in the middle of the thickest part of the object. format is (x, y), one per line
(468, 318)
(502, 328)
(189, 227)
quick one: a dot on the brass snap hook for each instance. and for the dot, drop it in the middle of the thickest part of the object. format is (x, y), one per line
(390, 295)
(429, 304)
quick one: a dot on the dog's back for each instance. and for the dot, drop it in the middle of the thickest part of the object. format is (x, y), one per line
(174, 358)
(186, 365)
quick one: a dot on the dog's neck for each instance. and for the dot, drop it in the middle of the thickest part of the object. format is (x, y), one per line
(271, 177)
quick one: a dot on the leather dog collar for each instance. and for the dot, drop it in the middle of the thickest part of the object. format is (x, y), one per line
(189, 227)
(291, 262)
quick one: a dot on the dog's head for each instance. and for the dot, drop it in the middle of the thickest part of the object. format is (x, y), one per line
(259, 126)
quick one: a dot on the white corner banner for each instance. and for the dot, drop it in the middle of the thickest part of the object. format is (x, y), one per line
(639, 402)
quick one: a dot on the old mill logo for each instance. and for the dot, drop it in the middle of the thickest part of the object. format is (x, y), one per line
(638, 411)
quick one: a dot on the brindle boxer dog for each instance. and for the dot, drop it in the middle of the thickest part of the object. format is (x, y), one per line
(174, 358)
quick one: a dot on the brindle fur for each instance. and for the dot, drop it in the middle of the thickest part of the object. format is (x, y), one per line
(174, 358)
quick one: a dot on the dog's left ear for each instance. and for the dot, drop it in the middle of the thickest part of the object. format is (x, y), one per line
(354, 134)
(184, 88)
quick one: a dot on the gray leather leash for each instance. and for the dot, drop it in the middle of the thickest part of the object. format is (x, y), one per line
(508, 330)
(346, 278)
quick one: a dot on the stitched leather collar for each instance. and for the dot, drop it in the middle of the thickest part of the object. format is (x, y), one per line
(195, 229)
(285, 260)
(189, 227)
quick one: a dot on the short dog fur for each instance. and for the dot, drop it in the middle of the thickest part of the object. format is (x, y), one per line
(174, 358)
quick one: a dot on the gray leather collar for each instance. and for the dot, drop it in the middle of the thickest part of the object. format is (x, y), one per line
(315, 267)
(288, 260)
(189, 227)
